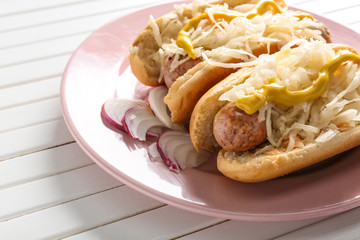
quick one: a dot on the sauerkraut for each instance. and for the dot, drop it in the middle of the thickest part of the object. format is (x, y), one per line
(297, 66)
(214, 41)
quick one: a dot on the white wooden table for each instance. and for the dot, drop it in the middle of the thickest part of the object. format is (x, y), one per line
(49, 188)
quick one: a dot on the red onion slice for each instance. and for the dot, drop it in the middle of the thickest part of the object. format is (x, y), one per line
(155, 99)
(178, 152)
(153, 152)
(113, 110)
(154, 133)
(138, 120)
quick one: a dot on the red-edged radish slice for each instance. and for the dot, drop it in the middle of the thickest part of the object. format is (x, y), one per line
(113, 110)
(178, 151)
(159, 108)
(138, 120)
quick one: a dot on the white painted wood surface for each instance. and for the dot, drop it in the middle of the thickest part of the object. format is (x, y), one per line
(49, 188)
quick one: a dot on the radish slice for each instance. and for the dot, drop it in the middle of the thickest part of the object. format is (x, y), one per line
(113, 110)
(178, 152)
(138, 120)
(155, 99)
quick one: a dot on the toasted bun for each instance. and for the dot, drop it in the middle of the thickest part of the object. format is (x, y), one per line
(250, 168)
(188, 89)
(142, 62)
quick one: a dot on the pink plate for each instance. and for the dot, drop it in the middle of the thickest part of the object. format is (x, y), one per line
(98, 71)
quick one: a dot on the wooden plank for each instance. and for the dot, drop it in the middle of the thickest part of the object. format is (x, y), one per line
(12, 7)
(34, 138)
(342, 226)
(40, 69)
(162, 223)
(42, 164)
(9, 7)
(327, 6)
(78, 215)
(30, 114)
(64, 13)
(60, 13)
(346, 16)
(56, 30)
(41, 50)
(42, 193)
(29, 93)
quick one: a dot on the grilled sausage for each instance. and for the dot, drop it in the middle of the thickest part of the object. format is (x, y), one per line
(236, 131)
(171, 75)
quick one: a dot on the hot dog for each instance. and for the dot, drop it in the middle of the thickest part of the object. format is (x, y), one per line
(306, 98)
(199, 44)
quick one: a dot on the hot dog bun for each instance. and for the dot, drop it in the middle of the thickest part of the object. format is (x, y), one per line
(187, 89)
(156, 43)
(258, 168)
(144, 61)
(260, 163)
(201, 121)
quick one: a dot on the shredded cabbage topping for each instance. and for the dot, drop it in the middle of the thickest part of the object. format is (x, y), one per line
(216, 41)
(309, 122)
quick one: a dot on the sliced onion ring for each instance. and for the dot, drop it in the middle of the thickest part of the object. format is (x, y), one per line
(113, 110)
(155, 99)
(138, 120)
(178, 152)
